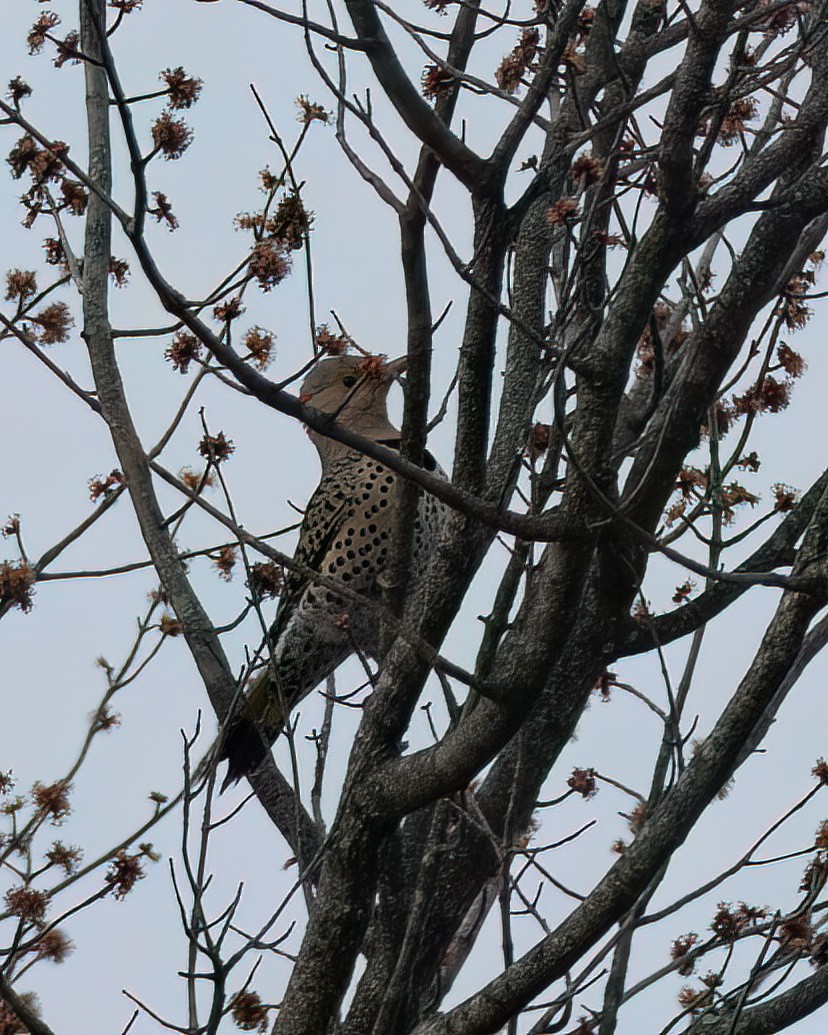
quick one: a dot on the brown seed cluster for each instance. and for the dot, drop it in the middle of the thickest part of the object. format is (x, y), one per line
(41, 30)
(609, 240)
(171, 136)
(119, 271)
(563, 212)
(54, 322)
(225, 562)
(9, 1022)
(170, 625)
(45, 165)
(730, 923)
(291, 222)
(791, 362)
(216, 448)
(582, 781)
(329, 343)
(786, 497)
(539, 438)
(260, 344)
(18, 89)
(740, 112)
(734, 495)
(68, 50)
(637, 818)
(604, 684)
(820, 771)
(749, 462)
(688, 496)
(679, 950)
(682, 593)
(586, 19)
(162, 210)
(54, 945)
(587, 170)
(67, 857)
(766, 396)
(265, 580)
(277, 235)
(103, 488)
(195, 480)
(75, 197)
(796, 932)
(124, 872)
(20, 285)
(642, 612)
(573, 59)
(511, 70)
(779, 21)
(27, 903)
(689, 479)
(55, 254)
(232, 309)
(269, 263)
(105, 720)
(11, 527)
(183, 90)
(16, 584)
(436, 81)
(310, 112)
(248, 1011)
(696, 999)
(184, 350)
(52, 799)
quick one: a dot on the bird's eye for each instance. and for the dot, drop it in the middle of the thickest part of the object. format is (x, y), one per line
(349, 381)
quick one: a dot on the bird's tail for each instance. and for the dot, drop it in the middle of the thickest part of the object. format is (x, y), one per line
(250, 734)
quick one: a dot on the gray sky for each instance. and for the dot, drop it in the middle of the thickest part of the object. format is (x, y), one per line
(48, 677)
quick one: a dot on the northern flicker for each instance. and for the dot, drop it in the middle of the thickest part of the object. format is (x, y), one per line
(346, 534)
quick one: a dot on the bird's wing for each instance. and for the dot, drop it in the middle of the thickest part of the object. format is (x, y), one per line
(327, 509)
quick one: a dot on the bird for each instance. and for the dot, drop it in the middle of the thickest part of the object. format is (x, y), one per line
(346, 534)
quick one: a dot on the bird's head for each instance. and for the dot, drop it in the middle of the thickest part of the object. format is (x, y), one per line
(354, 389)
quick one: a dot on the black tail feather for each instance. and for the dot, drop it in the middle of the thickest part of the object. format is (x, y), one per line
(244, 749)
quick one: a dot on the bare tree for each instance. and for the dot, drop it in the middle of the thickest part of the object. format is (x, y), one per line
(644, 231)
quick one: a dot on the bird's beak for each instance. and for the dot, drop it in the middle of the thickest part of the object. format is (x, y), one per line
(396, 367)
